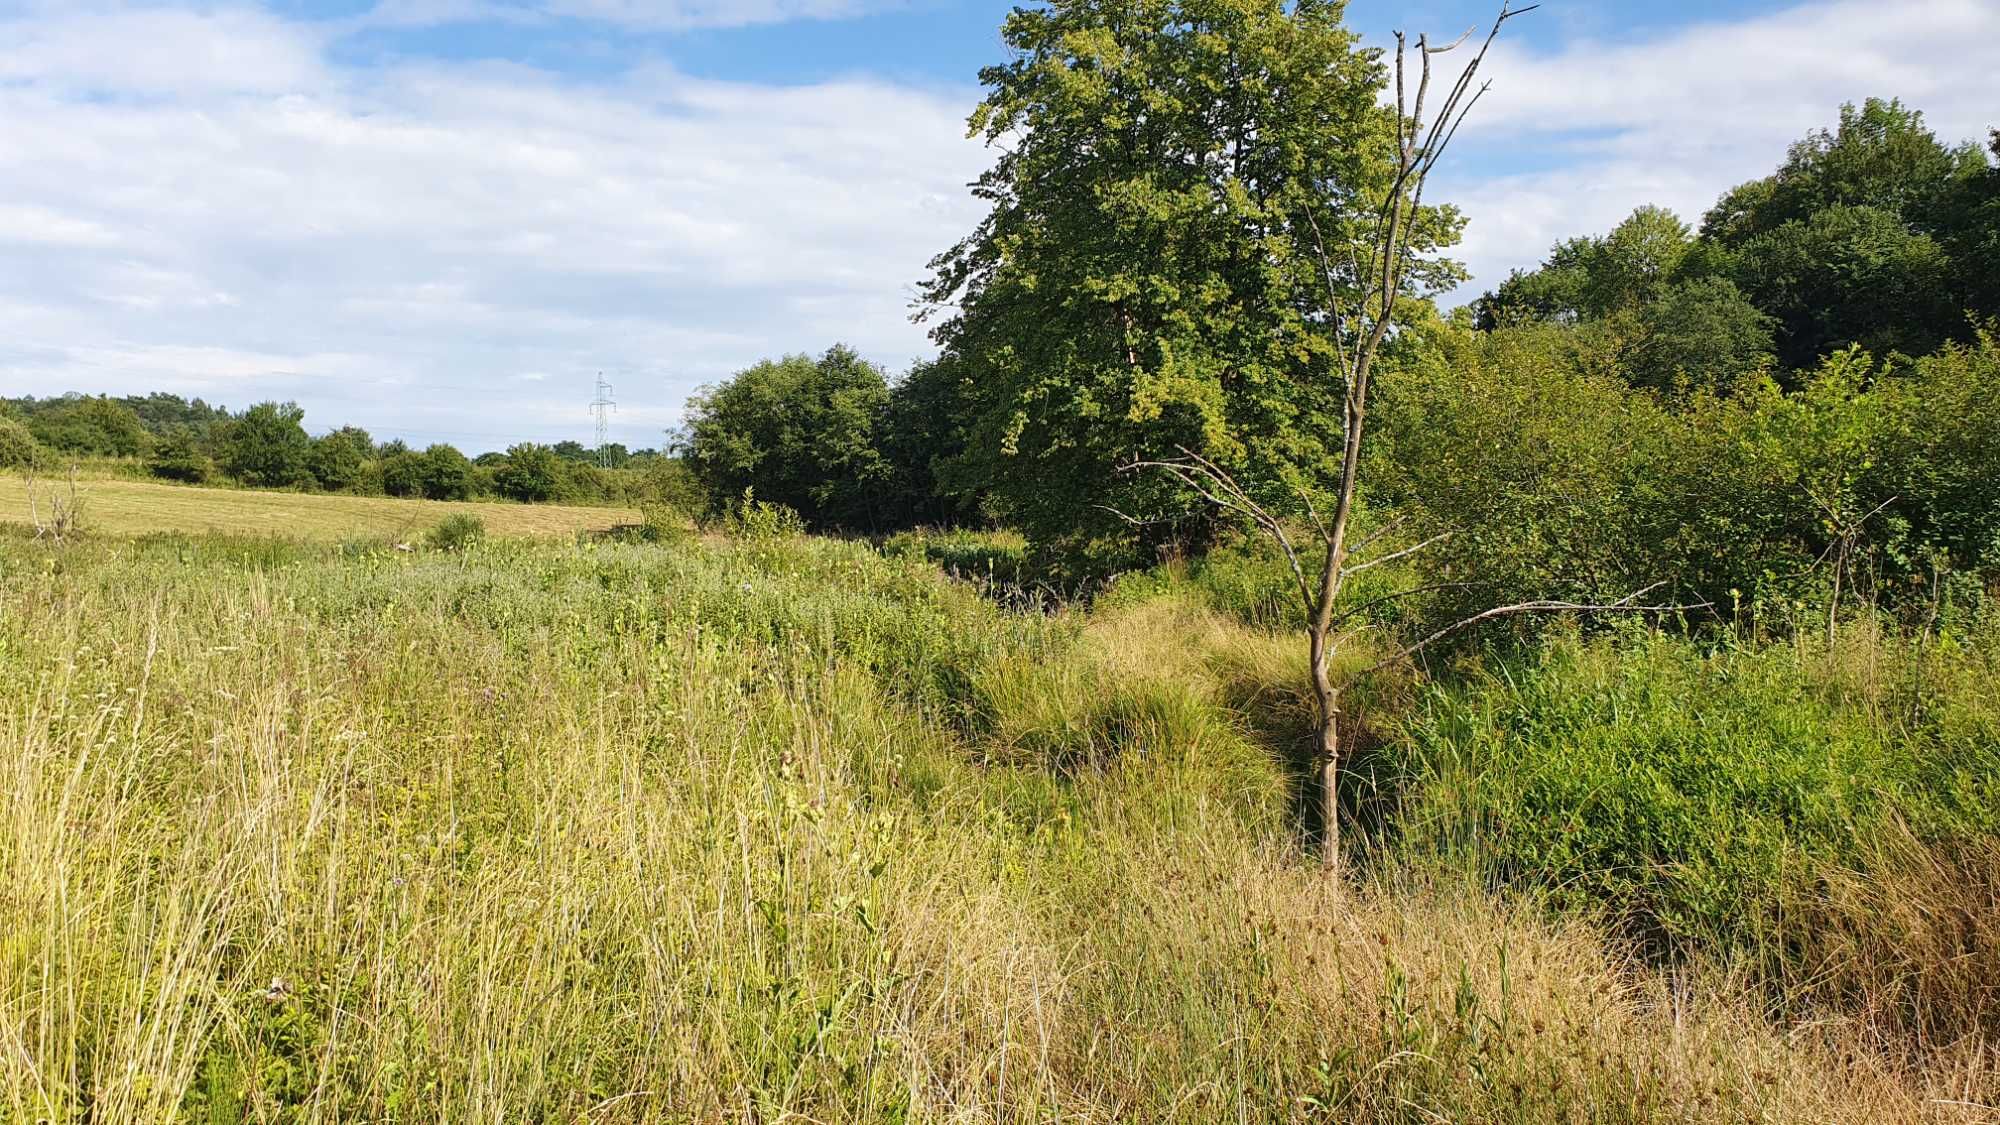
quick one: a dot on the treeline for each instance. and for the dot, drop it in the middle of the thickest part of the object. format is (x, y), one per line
(268, 446)
(1791, 405)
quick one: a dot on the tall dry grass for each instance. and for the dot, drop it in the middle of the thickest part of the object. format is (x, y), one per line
(775, 832)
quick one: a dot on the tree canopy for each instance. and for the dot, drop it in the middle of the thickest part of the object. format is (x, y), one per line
(799, 432)
(1142, 280)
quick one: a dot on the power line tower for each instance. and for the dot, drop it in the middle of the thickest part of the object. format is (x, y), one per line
(604, 407)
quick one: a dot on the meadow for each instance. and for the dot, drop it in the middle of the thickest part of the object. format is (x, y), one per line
(778, 828)
(130, 507)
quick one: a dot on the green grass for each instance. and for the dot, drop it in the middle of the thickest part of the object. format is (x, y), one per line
(778, 831)
(127, 507)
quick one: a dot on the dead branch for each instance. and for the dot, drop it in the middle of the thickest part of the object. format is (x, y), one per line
(1402, 554)
(1627, 604)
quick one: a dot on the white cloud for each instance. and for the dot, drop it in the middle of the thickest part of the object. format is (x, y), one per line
(655, 15)
(159, 50)
(456, 250)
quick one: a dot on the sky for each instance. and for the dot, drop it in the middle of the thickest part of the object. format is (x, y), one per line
(442, 219)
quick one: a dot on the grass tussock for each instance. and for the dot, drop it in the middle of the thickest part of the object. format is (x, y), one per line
(780, 831)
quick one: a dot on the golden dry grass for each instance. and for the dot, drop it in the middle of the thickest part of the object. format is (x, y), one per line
(639, 835)
(125, 507)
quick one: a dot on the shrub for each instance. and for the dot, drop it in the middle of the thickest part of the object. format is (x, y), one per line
(18, 448)
(457, 532)
(177, 457)
(1697, 796)
(756, 519)
(402, 473)
(799, 430)
(268, 447)
(443, 473)
(338, 458)
(532, 474)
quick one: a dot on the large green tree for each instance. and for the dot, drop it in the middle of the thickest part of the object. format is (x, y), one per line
(800, 432)
(1146, 278)
(1850, 240)
(268, 447)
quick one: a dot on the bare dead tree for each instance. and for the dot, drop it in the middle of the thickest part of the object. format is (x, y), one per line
(1381, 259)
(64, 519)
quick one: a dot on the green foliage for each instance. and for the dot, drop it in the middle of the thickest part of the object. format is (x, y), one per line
(1557, 480)
(18, 448)
(1594, 278)
(763, 520)
(531, 474)
(1873, 234)
(1701, 333)
(99, 426)
(1696, 796)
(1144, 278)
(402, 472)
(457, 532)
(443, 473)
(339, 458)
(802, 433)
(178, 457)
(1850, 275)
(925, 434)
(1881, 156)
(268, 447)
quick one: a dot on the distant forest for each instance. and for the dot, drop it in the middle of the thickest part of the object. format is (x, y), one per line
(267, 446)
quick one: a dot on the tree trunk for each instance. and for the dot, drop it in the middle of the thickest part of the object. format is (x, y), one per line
(1329, 786)
(1326, 748)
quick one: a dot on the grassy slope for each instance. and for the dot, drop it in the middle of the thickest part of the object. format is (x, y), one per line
(756, 832)
(124, 507)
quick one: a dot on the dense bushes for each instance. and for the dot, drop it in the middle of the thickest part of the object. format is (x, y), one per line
(268, 447)
(1560, 480)
(178, 457)
(798, 432)
(18, 448)
(1702, 797)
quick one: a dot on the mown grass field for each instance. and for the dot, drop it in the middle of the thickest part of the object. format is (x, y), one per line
(792, 831)
(127, 507)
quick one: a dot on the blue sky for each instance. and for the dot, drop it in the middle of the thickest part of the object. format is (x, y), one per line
(441, 218)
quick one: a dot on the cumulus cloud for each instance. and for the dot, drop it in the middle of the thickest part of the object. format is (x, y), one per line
(657, 15)
(397, 249)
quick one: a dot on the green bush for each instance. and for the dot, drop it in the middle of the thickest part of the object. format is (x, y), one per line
(457, 532)
(443, 473)
(268, 447)
(762, 520)
(338, 459)
(531, 474)
(178, 457)
(100, 426)
(18, 448)
(1693, 795)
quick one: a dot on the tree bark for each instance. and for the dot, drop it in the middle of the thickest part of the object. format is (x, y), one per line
(1329, 791)
(1326, 748)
